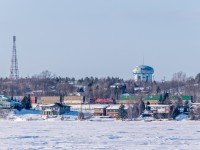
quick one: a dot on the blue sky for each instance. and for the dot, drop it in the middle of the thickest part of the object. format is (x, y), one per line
(100, 38)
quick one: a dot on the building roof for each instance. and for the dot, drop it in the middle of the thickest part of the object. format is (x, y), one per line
(151, 98)
(116, 107)
(100, 107)
(58, 104)
(135, 97)
(142, 69)
(159, 105)
(104, 100)
(113, 107)
(130, 97)
(155, 97)
(183, 97)
(2, 97)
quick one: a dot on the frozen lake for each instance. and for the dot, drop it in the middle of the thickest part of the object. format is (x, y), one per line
(99, 135)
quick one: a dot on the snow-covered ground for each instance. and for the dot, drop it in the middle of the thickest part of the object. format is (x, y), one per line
(99, 134)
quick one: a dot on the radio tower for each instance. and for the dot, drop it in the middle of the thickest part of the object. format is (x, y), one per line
(14, 72)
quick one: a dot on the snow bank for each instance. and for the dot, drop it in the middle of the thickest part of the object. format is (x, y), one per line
(182, 117)
(25, 111)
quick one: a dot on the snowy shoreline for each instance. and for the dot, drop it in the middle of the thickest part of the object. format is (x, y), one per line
(28, 130)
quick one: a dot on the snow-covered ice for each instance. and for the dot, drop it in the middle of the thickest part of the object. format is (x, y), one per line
(99, 134)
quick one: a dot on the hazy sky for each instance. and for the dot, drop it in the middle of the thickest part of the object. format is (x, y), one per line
(79, 38)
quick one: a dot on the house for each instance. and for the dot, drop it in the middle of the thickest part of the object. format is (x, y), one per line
(100, 110)
(159, 111)
(112, 111)
(54, 109)
(7, 103)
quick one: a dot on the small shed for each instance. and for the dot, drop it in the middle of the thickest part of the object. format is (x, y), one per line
(55, 109)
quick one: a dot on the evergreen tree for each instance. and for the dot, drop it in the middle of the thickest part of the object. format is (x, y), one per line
(175, 111)
(161, 99)
(158, 90)
(166, 95)
(166, 99)
(141, 107)
(26, 102)
(122, 112)
(171, 111)
(18, 107)
(147, 106)
(186, 103)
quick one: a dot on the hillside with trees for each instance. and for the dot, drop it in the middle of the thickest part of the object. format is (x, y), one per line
(48, 84)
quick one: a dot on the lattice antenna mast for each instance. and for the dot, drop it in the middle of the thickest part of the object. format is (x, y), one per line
(14, 72)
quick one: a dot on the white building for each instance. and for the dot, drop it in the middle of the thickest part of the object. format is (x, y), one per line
(143, 73)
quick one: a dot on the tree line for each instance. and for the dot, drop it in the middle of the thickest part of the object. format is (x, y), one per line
(48, 84)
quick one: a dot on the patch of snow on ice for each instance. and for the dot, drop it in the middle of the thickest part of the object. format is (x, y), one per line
(182, 117)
